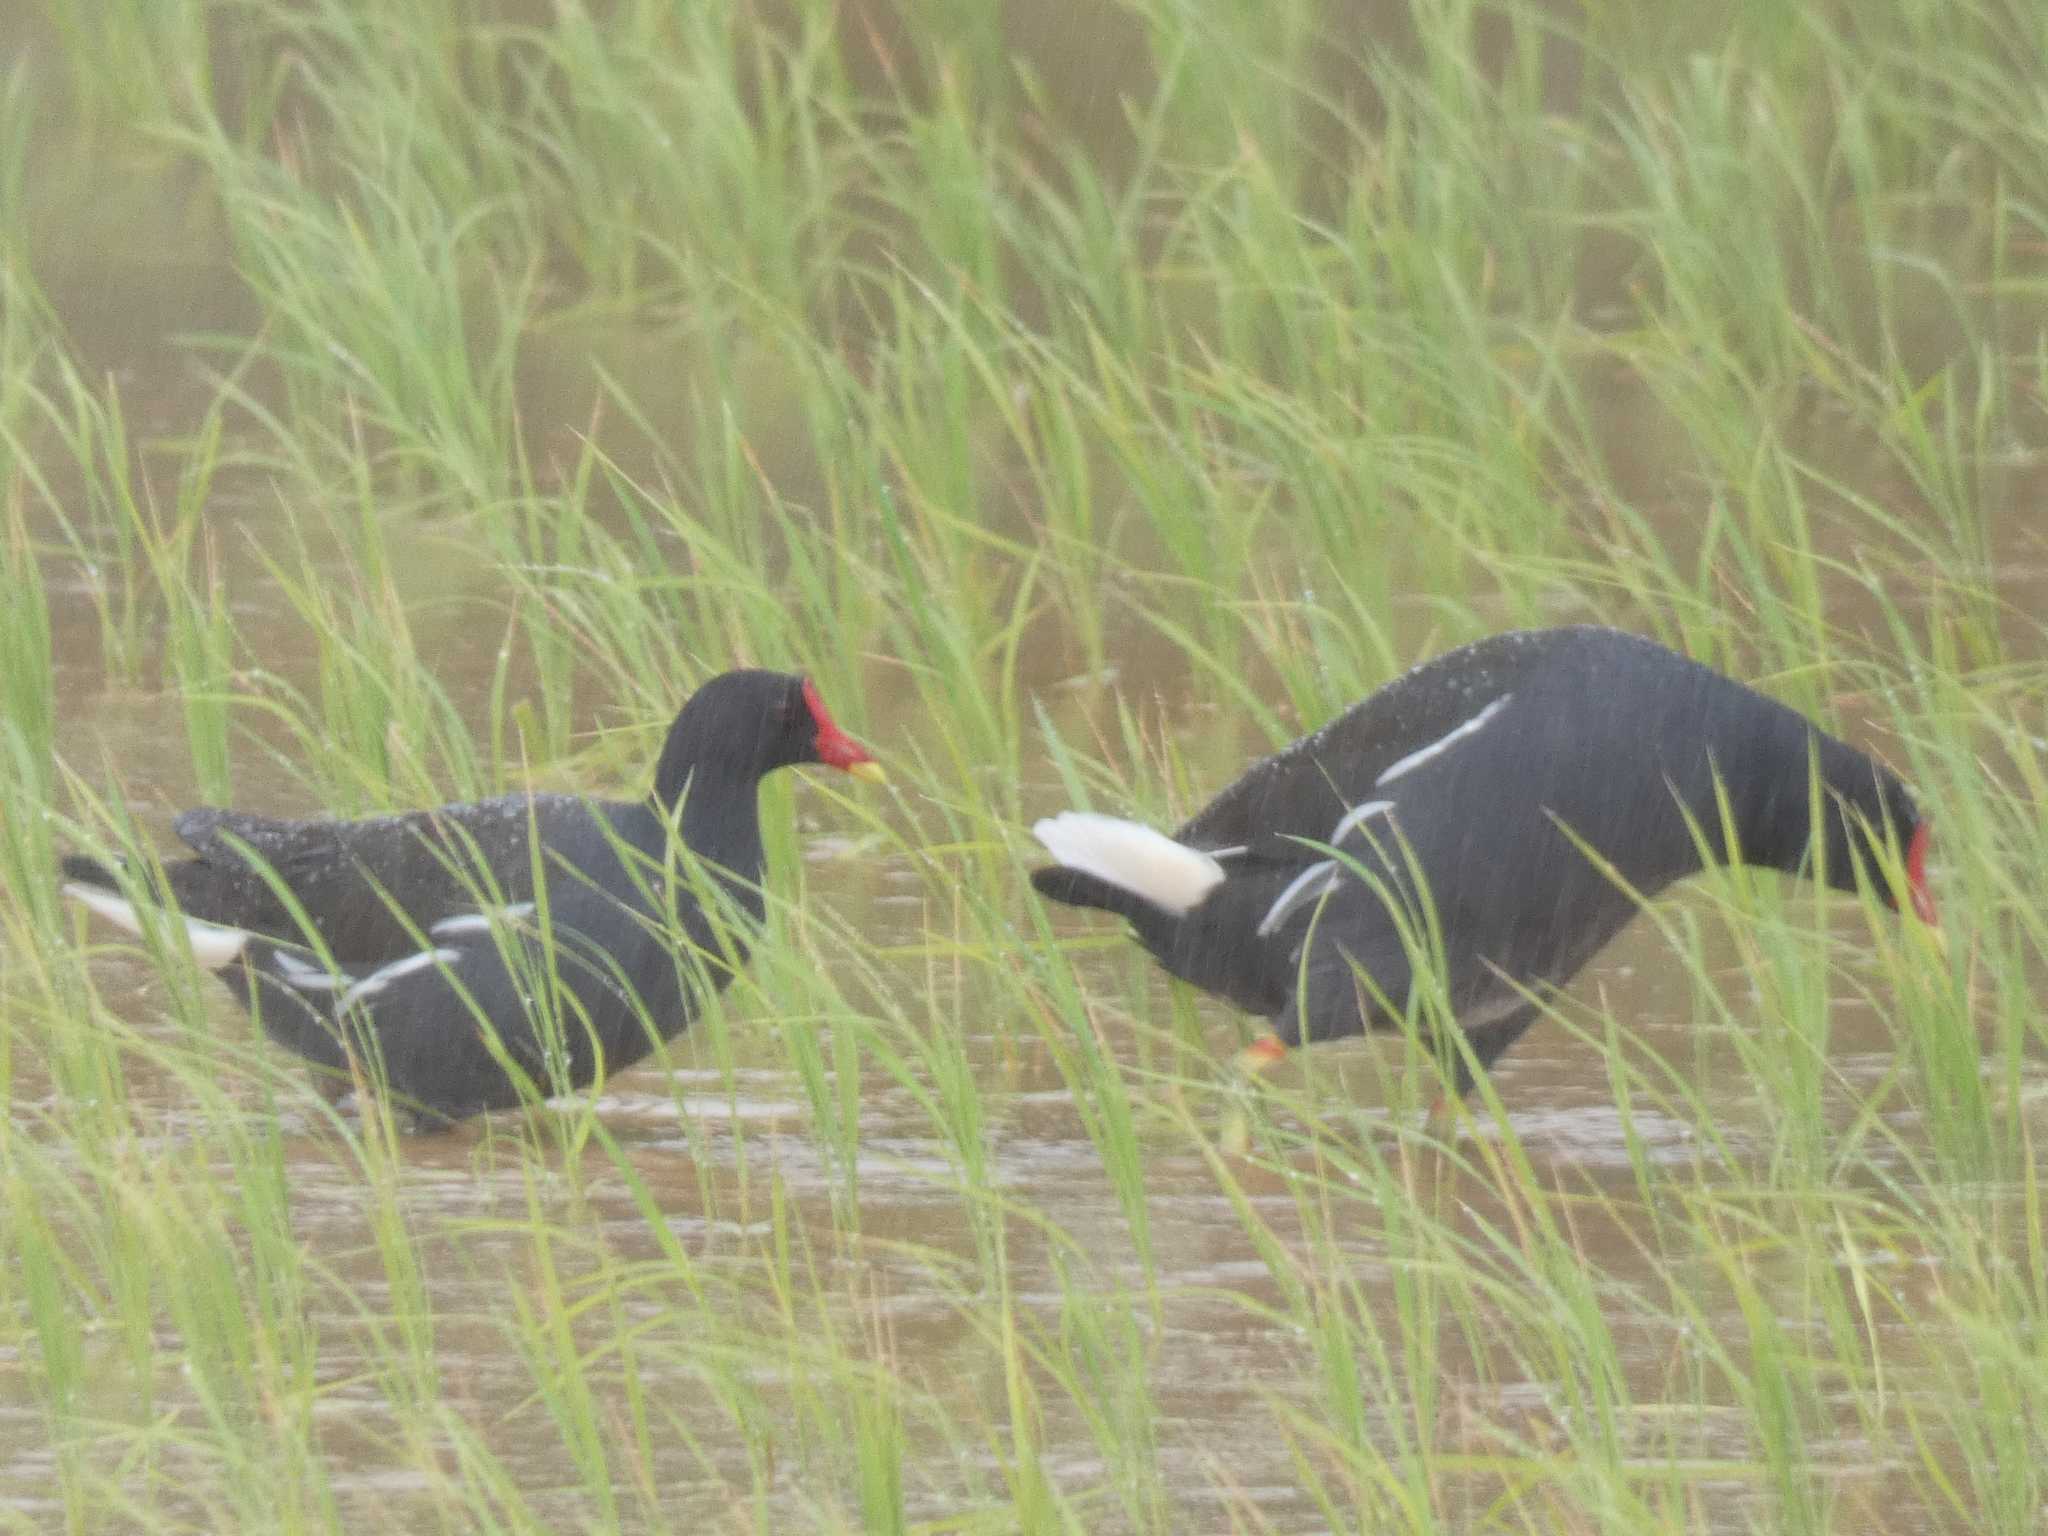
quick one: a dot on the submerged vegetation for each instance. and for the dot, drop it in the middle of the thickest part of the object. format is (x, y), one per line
(407, 399)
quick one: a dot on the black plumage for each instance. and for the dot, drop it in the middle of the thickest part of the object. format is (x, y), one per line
(484, 952)
(1485, 779)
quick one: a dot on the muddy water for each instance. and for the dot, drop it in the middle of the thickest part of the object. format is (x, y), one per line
(1218, 1371)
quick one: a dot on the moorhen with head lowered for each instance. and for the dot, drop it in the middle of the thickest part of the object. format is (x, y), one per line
(485, 953)
(1535, 786)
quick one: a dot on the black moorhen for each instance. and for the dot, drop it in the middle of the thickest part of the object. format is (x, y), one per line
(549, 918)
(1488, 772)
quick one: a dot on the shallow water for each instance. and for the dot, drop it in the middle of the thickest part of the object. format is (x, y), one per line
(716, 1155)
(729, 1160)
(1216, 1367)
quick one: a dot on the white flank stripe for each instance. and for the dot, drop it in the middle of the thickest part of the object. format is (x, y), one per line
(213, 945)
(1312, 884)
(1449, 739)
(1357, 814)
(302, 977)
(382, 977)
(1131, 857)
(480, 922)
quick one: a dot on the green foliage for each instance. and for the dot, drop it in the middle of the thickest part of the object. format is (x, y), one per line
(401, 401)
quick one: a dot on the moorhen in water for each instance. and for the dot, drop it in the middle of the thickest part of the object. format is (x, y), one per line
(550, 918)
(1491, 772)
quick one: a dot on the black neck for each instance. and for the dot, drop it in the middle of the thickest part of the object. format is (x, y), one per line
(716, 782)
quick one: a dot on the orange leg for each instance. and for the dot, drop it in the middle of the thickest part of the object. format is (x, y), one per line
(1264, 1052)
(1235, 1134)
(1445, 1111)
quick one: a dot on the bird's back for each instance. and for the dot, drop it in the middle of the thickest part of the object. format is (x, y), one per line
(369, 887)
(1533, 784)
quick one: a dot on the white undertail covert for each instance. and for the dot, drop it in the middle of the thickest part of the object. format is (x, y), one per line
(213, 944)
(1131, 857)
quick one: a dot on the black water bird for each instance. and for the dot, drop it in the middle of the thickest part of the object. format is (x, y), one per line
(483, 953)
(1497, 780)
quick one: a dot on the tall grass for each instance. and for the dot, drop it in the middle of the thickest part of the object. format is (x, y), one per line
(1089, 397)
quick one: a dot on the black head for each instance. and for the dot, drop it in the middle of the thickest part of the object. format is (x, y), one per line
(744, 724)
(1868, 814)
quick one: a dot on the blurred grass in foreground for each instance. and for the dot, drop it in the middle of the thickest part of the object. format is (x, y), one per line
(402, 401)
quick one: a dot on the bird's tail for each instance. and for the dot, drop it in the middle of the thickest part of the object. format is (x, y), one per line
(80, 870)
(1122, 867)
(97, 888)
